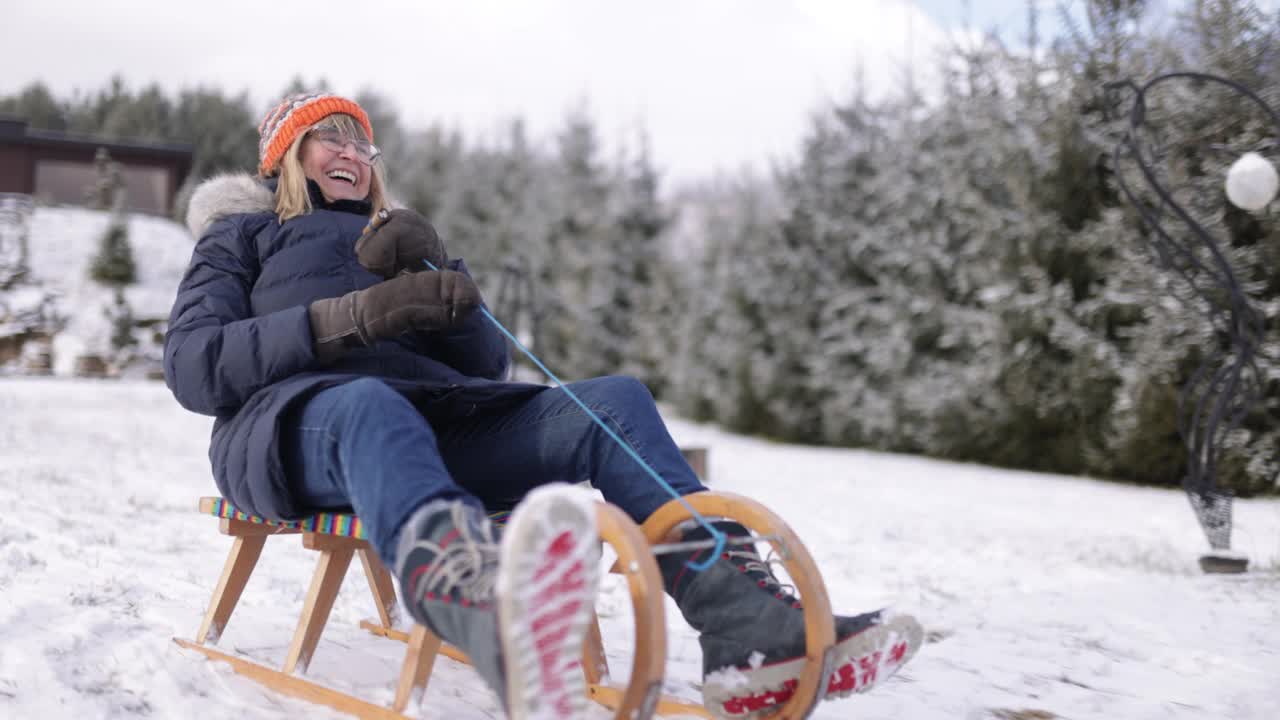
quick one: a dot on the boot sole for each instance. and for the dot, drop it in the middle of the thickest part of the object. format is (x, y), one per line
(861, 662)
(549, 570)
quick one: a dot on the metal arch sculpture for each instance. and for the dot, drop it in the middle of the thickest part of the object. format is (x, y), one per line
(1227, 383)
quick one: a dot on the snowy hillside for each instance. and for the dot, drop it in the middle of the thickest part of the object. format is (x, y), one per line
(62, 243)
(1045, 596)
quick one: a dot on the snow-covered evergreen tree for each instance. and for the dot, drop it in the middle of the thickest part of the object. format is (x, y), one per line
(643, 293)
(423, 177)
(120, 317)
(492, 216)
(113, 264)
(571, 277)
(719, 349)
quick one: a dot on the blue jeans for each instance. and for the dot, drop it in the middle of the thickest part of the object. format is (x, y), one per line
(364, 446)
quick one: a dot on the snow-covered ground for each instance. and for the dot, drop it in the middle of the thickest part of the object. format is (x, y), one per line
(63, 242)
(1074, 598)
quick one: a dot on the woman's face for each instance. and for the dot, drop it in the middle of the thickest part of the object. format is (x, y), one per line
(333, 161)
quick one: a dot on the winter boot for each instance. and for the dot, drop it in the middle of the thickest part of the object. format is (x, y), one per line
(519, 607)
(752, 632)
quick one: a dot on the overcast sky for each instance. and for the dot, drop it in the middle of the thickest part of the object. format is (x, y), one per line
(718, 84)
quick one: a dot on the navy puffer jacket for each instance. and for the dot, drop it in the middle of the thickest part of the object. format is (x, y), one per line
(239, 343)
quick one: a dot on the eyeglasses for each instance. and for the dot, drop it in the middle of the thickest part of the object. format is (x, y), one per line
(336, 141)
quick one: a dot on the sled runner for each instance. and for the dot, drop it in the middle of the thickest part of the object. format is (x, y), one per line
(338, 538)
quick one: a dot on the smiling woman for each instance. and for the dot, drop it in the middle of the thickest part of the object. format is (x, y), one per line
(338, 158)
(325, 332)
(325, 140)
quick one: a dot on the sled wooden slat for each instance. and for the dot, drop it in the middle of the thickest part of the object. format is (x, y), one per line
(611, 697)
(403, 636)
(294, 686)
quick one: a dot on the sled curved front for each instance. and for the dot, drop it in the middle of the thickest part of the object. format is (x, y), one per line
(819, 622)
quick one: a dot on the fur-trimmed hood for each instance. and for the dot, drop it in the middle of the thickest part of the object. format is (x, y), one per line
(224, 195)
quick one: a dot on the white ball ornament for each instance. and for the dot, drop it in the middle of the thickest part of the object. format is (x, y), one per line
(1252, 182)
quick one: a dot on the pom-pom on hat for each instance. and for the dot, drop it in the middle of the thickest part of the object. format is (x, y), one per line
(295, 114)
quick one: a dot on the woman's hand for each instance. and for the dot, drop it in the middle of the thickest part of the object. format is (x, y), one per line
(399, 243)
(433, 300)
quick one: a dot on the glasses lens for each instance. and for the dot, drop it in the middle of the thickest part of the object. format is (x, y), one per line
(336, 141)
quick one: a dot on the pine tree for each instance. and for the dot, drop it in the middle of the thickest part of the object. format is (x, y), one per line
(113, 264)
(389, 136)
(828, 309)
(120, 316)
(489, 212)
(222, 129)
(37, 105)
(568, 284)
(713, 366)
(644, 295)
(145, 116)
(426, 177)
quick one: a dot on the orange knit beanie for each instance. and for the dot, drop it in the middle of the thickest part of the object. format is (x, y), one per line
(295, 114)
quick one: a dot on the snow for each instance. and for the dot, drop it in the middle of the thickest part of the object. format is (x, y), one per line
(1038, 593)
(63, 242)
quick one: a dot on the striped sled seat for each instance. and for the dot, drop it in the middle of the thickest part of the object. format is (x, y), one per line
(338, 537)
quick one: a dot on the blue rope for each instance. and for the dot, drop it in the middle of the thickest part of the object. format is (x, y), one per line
(719, 536)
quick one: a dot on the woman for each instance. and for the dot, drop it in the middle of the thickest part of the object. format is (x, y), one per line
(345, 372)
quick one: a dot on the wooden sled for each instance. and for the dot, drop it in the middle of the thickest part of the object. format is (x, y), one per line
(339, 537)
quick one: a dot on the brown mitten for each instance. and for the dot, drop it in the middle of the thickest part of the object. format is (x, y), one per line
(419, 301)
(398, 241)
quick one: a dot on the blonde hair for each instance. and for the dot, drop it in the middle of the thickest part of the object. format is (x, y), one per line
(292, 198)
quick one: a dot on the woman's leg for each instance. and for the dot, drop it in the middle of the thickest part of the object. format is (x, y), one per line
(739, 608)
(364, 446)
(500, 456)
